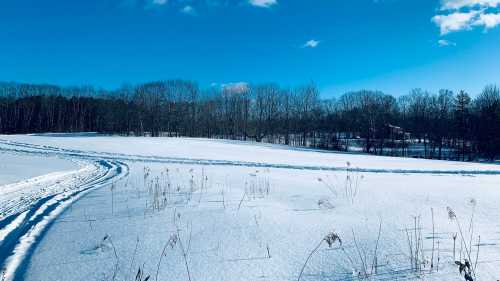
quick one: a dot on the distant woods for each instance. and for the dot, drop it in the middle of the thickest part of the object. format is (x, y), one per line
(444, 125)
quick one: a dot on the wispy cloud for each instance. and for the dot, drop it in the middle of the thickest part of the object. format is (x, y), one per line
(235, 88)
(458, 15)
(459, 4)
(160, 2)
(445, 43)
(188, 10)
(311, 44)
(490, 20)
(454, 22)
(263, 3)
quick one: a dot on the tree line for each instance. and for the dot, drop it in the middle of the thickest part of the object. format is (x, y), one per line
(443, 125)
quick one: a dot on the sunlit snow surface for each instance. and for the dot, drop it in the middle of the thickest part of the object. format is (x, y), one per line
(16, 167)
(249, 212)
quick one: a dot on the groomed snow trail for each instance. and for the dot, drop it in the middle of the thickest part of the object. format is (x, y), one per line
(27, 208)
(249, 214)
(50, 150)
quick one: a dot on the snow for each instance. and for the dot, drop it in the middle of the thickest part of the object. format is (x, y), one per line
(232, 151)
(18, 167)
(226, 210)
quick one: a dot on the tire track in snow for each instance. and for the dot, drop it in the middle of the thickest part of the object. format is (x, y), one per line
(50, 150)
(17, 197)
(22, 231)
(23, 223)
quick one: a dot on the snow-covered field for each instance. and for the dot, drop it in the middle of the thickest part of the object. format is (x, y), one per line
(16, 167)
(195, 209)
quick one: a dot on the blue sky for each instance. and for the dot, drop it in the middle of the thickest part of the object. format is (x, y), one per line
(389, 45)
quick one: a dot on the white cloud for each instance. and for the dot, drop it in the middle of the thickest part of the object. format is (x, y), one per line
(465, 21)
(490, 20)
(458, 15)
(454, 22)
(263, 3)
(459, 4)
(444, 43)
(311, 44)
(160, 2)
(188, 10)
(235, 88)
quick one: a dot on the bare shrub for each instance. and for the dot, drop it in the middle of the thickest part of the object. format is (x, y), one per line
(141, 276)
(466, 266)
(330, 239)
(351, 183)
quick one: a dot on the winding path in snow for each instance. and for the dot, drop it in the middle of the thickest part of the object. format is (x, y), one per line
(51, 150)
(28, 208)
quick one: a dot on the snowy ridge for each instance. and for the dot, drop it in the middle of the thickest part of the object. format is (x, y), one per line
(50, 150)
